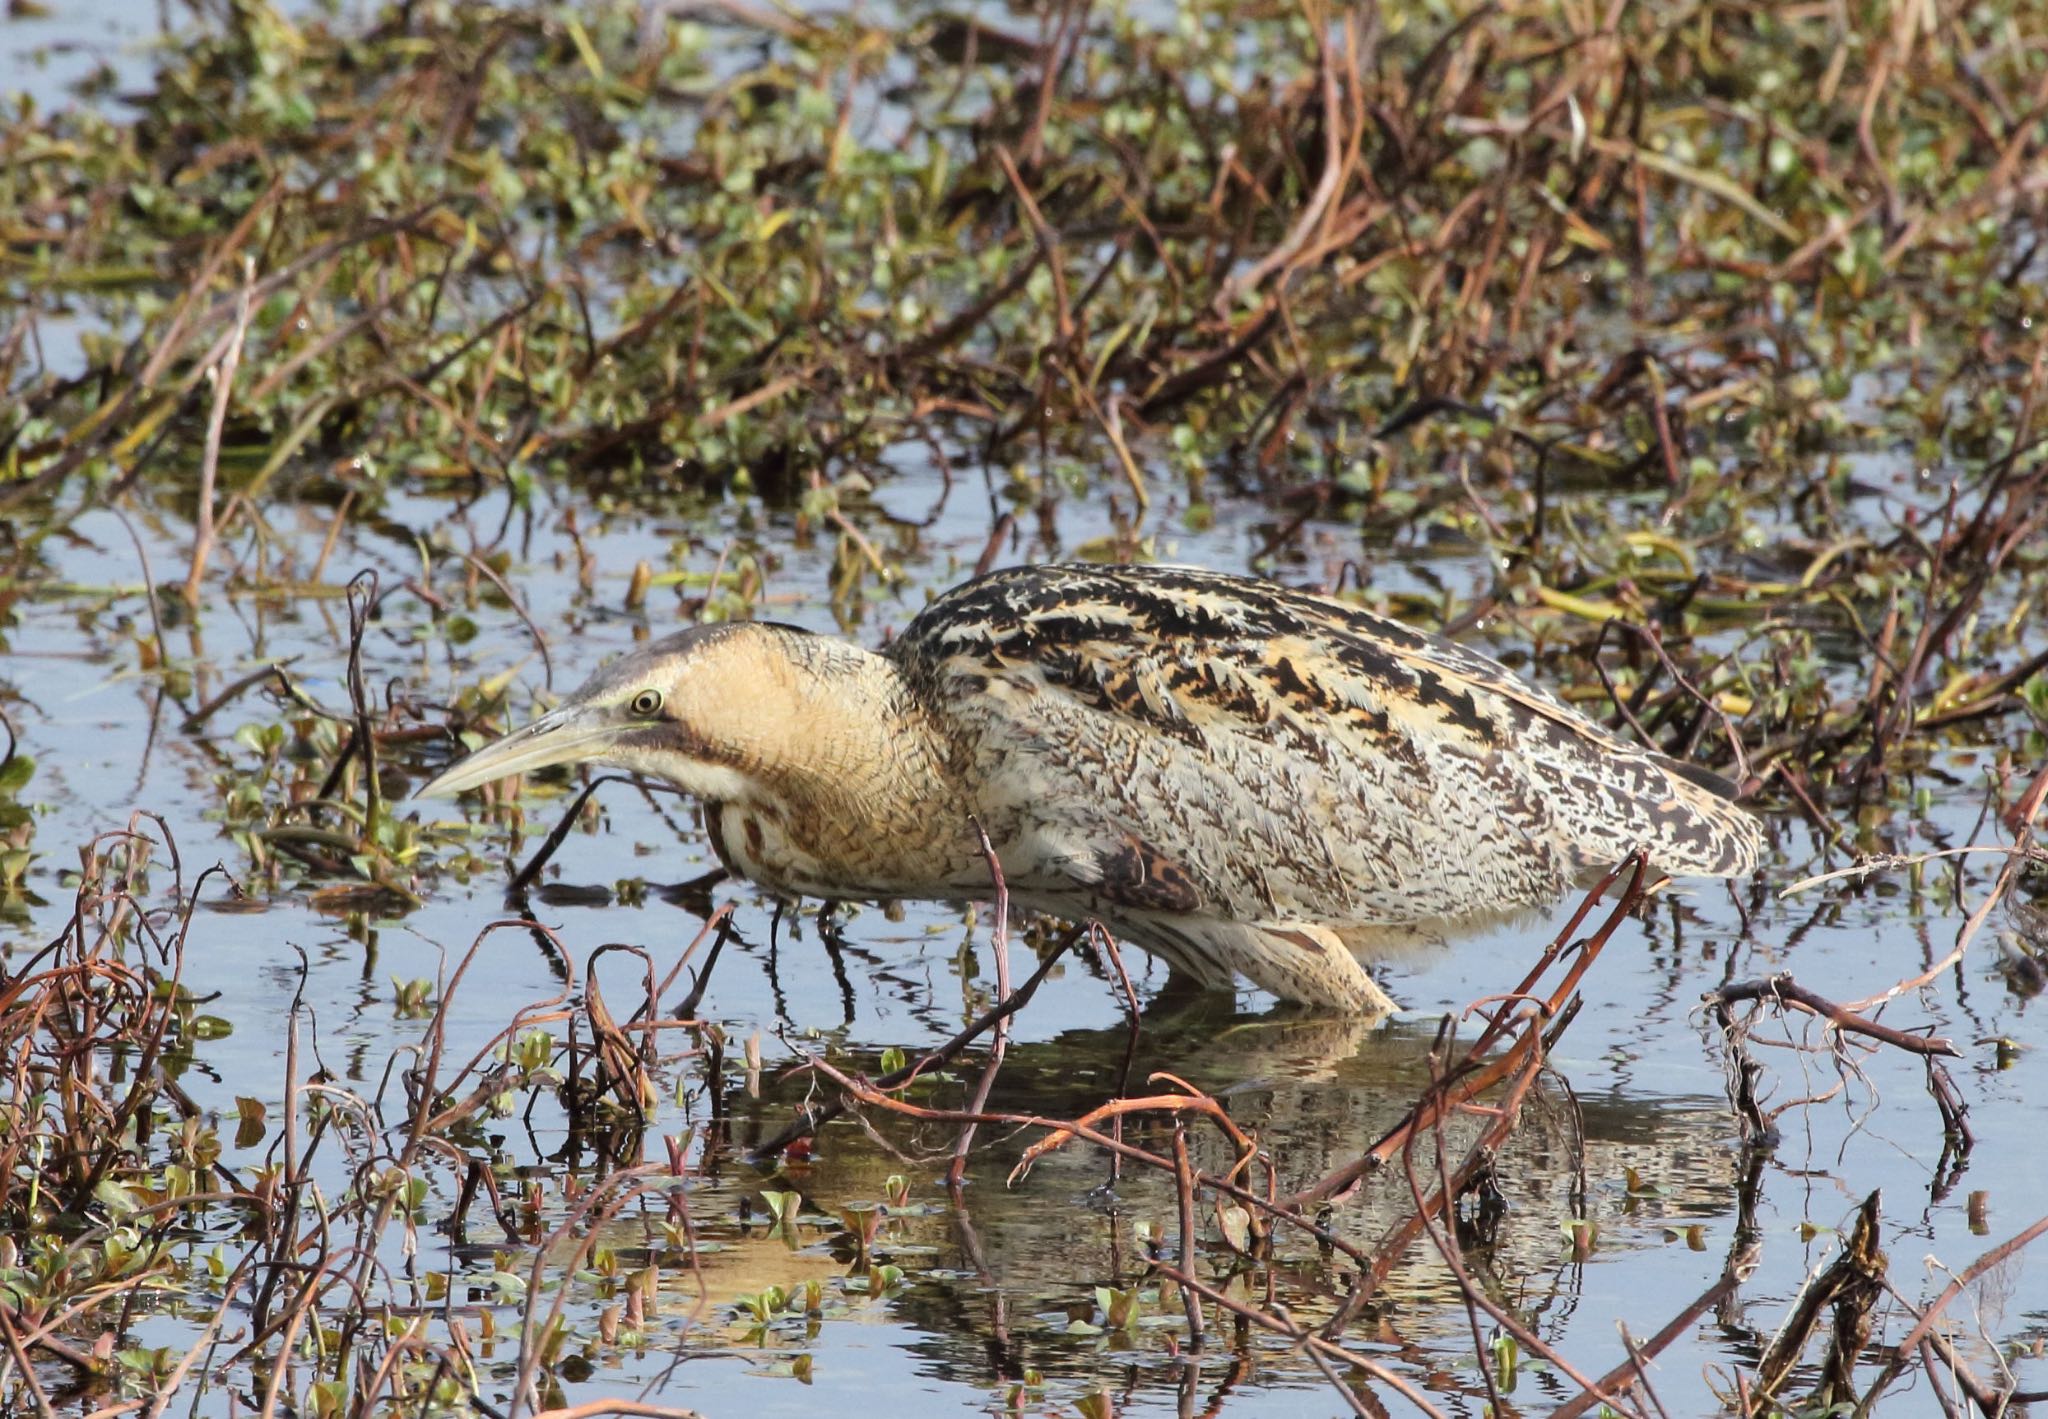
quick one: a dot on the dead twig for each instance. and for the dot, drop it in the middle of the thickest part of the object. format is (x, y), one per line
(1849, 1284)
(812, 1118)
(1783, 990)
(1184, 1188)
(999, 946)
(209, 462)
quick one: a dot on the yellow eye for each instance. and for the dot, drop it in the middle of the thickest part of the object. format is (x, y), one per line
(647, 703)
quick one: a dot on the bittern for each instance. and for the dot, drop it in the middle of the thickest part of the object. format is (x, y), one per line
(1244, 779)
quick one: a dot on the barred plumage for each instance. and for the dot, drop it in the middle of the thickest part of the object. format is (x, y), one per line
(1245, 779)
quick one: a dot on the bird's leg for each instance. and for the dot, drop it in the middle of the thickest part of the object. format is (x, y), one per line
(1305, 962)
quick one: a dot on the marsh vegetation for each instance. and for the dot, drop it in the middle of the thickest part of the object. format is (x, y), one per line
(369, 375)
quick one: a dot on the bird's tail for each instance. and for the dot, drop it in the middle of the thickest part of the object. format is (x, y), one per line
(1684, 816)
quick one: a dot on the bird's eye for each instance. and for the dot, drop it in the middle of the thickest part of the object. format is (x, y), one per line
(647, 703)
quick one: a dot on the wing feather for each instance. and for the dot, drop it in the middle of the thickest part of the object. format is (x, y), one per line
(1293, 752)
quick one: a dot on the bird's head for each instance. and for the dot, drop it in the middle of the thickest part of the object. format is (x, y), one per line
(709, 710)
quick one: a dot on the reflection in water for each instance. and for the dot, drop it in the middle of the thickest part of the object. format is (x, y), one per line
(1007, 1271)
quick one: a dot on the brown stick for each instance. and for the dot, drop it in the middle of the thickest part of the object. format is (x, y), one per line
(812, 1119)
(999, 945)
(1048, 246)
(1786, 991)
(1968, 1274)
(1184, 1180)
(1618, 1381)
(209, 463)
(1318, 1346)
(1852, 1279)
(1084, 1126)
(1334, 166)
(865, 1092)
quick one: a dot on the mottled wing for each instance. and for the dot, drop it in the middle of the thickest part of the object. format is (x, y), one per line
(1283, 756)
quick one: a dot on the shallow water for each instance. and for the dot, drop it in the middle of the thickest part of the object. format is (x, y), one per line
(1000, 1282)
(997, 1284)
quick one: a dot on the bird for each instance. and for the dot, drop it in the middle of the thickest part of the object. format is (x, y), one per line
(1245, 779)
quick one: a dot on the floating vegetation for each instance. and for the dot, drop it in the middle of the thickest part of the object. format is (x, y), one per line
(362, 374)
(487, 246)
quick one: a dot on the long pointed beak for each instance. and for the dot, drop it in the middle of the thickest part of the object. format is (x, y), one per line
(565, 735)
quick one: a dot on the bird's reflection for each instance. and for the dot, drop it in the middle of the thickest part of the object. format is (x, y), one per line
(1317, 1090)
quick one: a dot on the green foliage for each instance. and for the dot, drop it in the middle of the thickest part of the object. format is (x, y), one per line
(1642, 320)
(17, 826)
(543, 250)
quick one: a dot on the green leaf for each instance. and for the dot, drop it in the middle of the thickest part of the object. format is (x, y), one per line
(15, 774)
